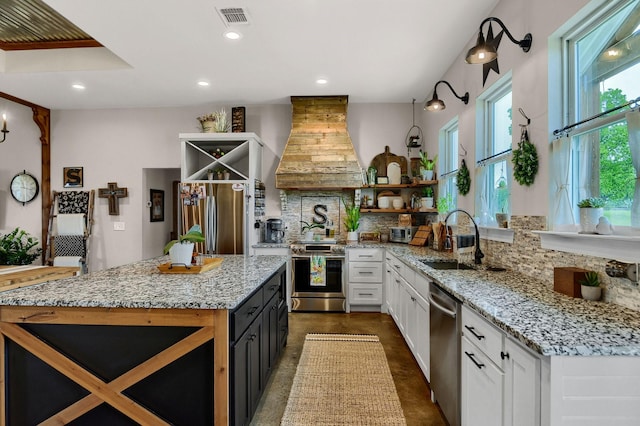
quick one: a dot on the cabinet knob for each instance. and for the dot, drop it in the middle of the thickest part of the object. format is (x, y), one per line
(504, 355)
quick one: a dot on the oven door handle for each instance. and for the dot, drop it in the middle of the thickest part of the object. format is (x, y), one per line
(441, 308)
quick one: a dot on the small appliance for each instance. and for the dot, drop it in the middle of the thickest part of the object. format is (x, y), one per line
(402, 234)
(274, 231)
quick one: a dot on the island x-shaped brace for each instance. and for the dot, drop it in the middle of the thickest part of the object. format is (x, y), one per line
(113, 193)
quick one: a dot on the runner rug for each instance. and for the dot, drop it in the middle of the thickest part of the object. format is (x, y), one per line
(343, 379)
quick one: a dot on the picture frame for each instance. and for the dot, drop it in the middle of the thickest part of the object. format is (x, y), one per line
(382, 180)
(72, 177)
(156, 212)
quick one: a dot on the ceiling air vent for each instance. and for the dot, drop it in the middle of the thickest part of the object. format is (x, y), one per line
(233, 16)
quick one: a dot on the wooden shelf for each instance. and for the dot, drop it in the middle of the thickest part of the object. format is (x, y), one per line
(420, 184)
(372, 210)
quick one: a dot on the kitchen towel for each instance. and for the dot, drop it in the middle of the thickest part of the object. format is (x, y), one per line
(70, 224)
(318, 271)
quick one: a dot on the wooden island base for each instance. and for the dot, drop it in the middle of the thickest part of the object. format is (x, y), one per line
(115, 365)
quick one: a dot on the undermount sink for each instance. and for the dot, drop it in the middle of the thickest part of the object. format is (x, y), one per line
(446, 264)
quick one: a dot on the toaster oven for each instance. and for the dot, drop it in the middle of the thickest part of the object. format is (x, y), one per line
(402, 234)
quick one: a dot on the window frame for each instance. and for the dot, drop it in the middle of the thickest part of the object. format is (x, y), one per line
(448, 160)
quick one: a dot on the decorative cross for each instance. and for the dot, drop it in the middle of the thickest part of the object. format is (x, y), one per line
(113, 193)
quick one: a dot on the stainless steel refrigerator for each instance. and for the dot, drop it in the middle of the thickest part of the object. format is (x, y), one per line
(221, 211)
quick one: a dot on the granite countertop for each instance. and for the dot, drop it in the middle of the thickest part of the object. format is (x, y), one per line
(546, 321)
(141, 285)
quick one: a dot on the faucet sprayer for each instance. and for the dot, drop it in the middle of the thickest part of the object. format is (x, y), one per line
(478, 255)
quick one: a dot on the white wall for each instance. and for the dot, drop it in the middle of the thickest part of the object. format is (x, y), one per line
(530, 80)
(156, 234)
(124, 146)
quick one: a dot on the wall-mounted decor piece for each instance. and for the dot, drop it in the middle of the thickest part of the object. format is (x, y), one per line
(238, 119)
(24, 187)
(72, 177)
(113, 193)
(157, 205)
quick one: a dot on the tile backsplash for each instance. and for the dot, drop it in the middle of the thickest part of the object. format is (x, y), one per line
(524, 255)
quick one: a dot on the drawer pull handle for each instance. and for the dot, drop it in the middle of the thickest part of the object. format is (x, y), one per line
(366, 294)
(274, 308)
(478, 364)
(365, 272)
(253, 310)
(471, 329)
(365, 255)
(396, 266)
(504, 355)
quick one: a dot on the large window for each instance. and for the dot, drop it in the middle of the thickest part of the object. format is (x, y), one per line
(493, 152)
(448, 157)
(603, 57)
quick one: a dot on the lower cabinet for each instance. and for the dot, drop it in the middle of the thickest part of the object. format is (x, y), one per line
(364, 279)
(262, 325)
(407, 304)
(500, 379)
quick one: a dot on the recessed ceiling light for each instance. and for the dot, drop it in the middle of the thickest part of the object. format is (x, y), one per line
(232, 35)
(322, 81)
(203, 83)
(78, 86)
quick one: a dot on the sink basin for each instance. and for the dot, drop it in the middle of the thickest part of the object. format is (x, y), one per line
(446, 264)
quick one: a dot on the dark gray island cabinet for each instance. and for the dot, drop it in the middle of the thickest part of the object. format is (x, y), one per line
(130, 346)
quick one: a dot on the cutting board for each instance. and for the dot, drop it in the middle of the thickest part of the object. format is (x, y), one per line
(20, 276)
(208, 264)
(382, 161)
(422, 236)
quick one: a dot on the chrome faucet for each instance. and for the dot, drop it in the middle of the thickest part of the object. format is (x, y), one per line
(478, 255)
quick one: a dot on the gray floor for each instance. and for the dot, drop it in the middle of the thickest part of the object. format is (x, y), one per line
(412, 388)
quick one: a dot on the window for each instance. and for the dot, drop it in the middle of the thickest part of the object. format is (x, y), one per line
(448, 167)
(493, 152)
(604, 61)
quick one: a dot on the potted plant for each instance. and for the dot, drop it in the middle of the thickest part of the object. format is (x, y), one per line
(352, 219)
(182, 253)
(590, 286)
(307, 229)
(591, 209)
(215, 122)
(18, 248)
(210, 174)
(427, 165)
(427, 198)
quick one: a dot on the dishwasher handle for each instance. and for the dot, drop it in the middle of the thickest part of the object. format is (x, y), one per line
(441, 308)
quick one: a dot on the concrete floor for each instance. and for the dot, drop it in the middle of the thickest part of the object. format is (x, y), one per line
(412, 388)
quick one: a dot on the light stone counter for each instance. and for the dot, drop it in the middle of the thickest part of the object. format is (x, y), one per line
(548, 322)
(141, 285)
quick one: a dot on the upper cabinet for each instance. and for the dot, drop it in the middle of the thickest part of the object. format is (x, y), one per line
(240, 154)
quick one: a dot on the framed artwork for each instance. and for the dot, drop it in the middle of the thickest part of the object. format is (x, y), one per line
(238, 119)
(382, 180)
(157, 205)
(72, 177)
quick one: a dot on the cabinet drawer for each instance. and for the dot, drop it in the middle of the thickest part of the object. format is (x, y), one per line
(244, 315)
(396, 265)
(365, 272)
(482, 334)
(365, 255)
(270, 288)
(365, 294)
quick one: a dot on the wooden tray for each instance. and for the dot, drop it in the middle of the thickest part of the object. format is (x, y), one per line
(209, 263)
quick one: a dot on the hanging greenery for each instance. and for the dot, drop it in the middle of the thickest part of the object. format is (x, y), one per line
(463, 179)
(525, 160)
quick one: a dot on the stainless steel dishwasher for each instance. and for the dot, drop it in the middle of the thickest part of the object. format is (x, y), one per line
(444, 333)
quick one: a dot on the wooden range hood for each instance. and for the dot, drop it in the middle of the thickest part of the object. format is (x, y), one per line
(319, 153)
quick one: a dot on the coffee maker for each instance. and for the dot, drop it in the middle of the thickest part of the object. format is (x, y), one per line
(274, 231)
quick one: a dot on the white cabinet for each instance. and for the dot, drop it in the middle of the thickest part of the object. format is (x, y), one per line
(407, 293)
(364, 279)
(499, 377)
(481, 388)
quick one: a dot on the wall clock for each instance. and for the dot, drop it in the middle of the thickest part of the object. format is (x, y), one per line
(24, 187)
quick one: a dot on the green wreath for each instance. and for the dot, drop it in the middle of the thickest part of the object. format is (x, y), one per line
(463, 179)
(525, 160)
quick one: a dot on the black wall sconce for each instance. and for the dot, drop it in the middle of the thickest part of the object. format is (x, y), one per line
(484, 52)
(4, 127)
(436, 104)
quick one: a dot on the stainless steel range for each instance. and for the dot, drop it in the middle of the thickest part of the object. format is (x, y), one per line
(318, 277)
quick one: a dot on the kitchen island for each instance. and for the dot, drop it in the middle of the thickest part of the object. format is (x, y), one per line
(130, 345)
